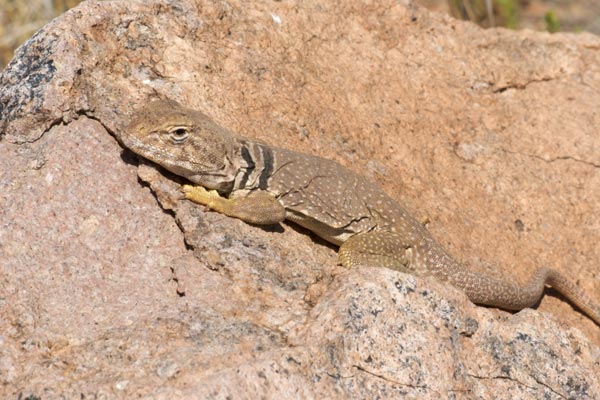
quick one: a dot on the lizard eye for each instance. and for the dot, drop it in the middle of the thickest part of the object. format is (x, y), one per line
(179, 134)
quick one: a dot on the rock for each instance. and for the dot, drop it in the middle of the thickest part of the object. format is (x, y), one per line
(112, 287)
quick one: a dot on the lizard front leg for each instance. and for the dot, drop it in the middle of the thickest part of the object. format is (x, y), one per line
(258, 207)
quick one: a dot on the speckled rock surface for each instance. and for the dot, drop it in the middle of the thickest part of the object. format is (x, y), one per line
(111, 286)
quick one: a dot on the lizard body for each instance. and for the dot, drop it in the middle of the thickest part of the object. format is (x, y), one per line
(264, 184)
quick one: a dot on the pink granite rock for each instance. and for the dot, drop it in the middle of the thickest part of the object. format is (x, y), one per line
(111, 286)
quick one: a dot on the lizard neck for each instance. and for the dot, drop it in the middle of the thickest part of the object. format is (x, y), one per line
(255, 164)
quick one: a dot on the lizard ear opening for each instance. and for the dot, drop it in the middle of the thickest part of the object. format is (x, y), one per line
(179, 134)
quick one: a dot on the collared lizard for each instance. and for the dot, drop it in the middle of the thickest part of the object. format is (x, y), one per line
(263, 184)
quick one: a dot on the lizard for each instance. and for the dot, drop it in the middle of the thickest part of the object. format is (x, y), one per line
(262, 184)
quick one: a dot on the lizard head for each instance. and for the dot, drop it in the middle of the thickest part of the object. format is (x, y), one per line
(184, 141)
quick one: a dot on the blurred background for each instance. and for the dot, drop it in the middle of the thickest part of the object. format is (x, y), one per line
(540, 15)
(19, 19)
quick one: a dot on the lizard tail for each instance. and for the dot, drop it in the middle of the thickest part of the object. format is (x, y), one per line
(490, 291)
(572, 292)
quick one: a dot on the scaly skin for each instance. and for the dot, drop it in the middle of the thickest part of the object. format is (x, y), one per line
(263, 184)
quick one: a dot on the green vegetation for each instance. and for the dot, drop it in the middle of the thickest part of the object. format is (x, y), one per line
(487, 13)
(551, 20)
(508, 11)
(505, 13)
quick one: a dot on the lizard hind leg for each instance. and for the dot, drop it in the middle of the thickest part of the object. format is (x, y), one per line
(377, 249)
(388, 249)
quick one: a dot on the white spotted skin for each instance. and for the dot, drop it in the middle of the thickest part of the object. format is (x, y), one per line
(342, 207)
(335, 203)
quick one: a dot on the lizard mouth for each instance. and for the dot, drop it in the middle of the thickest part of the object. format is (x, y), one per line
(136, 145)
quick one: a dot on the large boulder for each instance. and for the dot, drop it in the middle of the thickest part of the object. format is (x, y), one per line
(112, 286)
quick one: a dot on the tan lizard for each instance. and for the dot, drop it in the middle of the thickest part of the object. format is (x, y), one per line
(264, 184)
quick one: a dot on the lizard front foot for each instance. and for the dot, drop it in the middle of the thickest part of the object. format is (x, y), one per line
(259, 207)
(199, 194)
